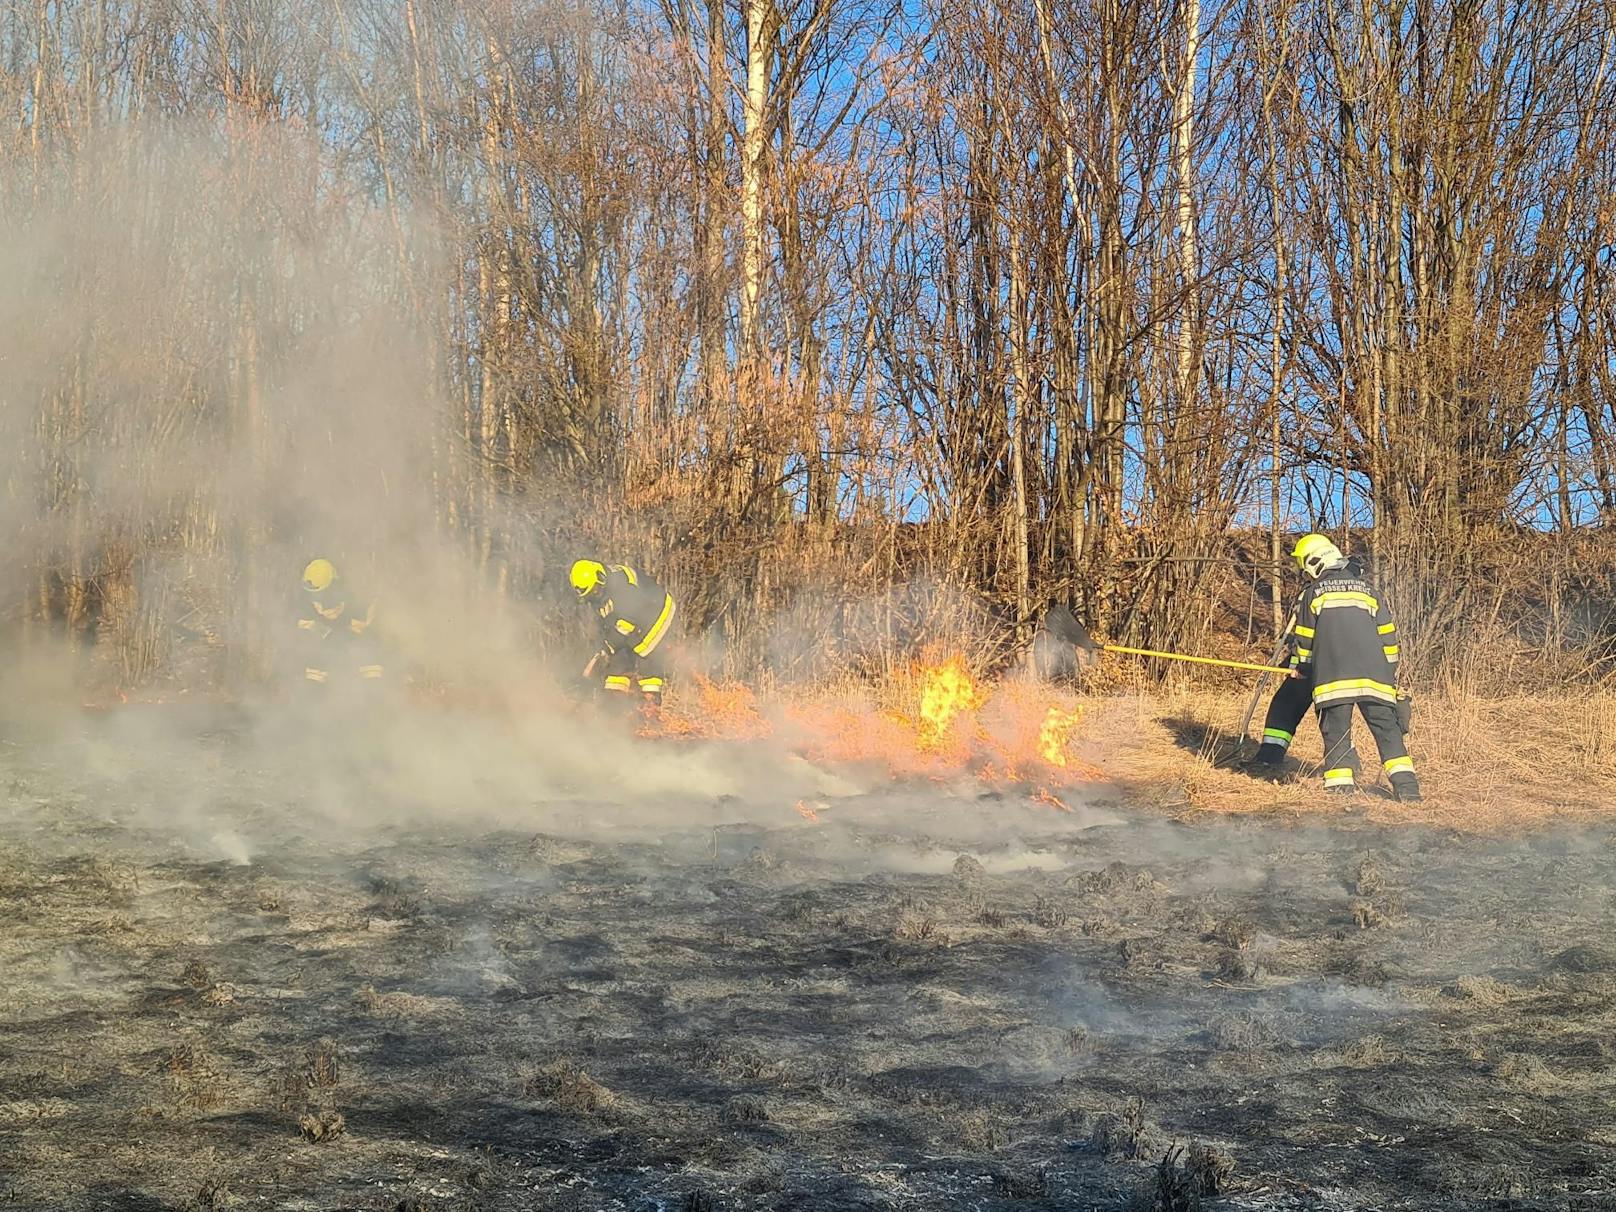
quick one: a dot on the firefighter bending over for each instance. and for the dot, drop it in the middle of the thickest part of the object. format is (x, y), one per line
(635, 614)
(1288, 707)
(1346, 644)
(335, 628)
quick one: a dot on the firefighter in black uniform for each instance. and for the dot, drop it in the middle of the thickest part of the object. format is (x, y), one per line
(1290, 703)
(1346, 645)
(635, 614)
(335, 628)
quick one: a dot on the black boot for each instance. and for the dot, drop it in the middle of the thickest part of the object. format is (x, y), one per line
(1268, 754)
(1406, 789)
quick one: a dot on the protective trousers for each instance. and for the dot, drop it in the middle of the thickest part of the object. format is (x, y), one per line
(341, 658)
(1341, 759)
(626, 671)
(1286, 710)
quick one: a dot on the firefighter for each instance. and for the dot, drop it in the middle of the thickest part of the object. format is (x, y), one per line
(1288, 707)
(1346, 645)
(635, 614)
(335, 626)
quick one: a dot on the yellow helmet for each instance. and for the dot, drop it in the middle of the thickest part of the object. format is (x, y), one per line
(1314, 553)
(319, 574)
(586, 575)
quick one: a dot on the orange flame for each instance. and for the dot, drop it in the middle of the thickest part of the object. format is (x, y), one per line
(948, 691)
(1054, 734)
(1011, 734)
(717, 710)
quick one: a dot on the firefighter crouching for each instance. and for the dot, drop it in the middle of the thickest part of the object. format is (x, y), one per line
(1346, 645)
(335, 629)
(635, 615)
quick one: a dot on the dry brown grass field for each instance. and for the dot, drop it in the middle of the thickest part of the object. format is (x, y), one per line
(1486, 764)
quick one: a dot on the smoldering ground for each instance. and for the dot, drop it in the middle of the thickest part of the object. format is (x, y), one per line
(467, 971)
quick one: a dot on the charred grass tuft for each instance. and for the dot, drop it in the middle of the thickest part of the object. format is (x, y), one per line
(192, 1078)
(1022, 1184)
(968, 870)
(1481, 990)
(1125, 1135)
(215, 1192)
(571, 1089)
(310, 1076)
(738, 1062)
(914, 925)
(1247, 1032)
(1236, 932)
(321, 1127)
(744, 1109)
(1238, 965)
(1184, 1178)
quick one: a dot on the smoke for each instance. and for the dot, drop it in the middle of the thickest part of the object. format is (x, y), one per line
(211, 371)
(216, 366)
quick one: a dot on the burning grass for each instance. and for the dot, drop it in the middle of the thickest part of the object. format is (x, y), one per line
(934, 720)
(1486, 765)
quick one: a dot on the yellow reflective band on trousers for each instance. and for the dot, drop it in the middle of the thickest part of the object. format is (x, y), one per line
(1276, 736)
(315, 675)
(654, 634)
(651, 685)
(370, 671)
(617, 681)
(1304, 654)
(1387, 628)
(1354, 688)
(1392, 651)
(1344, 597)
(1307, 633)
(1339, 777)
(1402, 765)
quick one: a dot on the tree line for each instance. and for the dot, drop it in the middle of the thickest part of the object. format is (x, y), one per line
(863, 321)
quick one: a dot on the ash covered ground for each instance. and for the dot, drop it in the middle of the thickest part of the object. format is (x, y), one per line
(258, 970)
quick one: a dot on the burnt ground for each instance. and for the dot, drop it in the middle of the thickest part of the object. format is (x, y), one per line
(234, 978)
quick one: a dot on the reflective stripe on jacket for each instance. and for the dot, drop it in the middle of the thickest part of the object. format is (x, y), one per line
(1346, 638)
(635, 612)
(323, 617)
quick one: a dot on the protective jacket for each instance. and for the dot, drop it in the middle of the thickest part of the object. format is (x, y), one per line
(333, 614)
(1346, 640)
(635, 612)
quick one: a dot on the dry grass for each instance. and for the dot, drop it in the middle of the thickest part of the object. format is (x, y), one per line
(318, 1127)
(1485, 765)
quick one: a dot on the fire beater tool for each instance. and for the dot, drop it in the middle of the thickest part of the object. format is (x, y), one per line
(1063, 625)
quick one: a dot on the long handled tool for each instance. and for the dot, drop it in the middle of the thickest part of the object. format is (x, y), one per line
(1256, 691)
(1064, 626)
